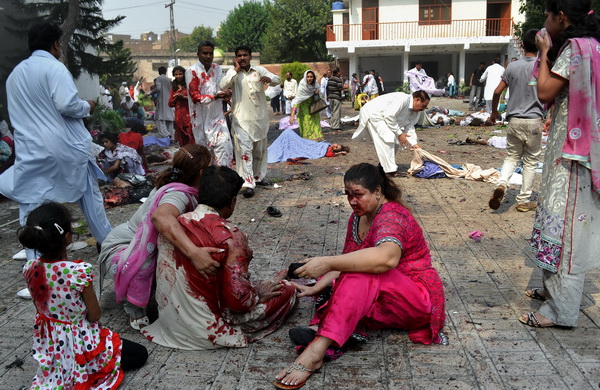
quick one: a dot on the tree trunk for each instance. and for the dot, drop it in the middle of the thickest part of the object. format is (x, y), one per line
(68, 27)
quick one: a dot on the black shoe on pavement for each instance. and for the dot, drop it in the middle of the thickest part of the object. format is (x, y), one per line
(248, 192)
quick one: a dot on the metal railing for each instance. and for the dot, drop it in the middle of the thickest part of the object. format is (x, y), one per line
(420, 30)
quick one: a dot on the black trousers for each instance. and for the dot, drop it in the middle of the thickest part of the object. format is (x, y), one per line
(133, 355)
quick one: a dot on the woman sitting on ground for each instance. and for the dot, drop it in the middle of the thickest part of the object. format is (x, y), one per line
(119, 158)
(306, 94)
(225, 310)
(383, 279)
(129, 251)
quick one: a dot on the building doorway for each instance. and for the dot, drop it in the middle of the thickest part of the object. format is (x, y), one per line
(498, 18)
(370, 20)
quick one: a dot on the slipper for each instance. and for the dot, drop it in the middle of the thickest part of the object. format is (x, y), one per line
(533, 294)
(139, 323)
(292, 367)
(533, 321)
(273, 211)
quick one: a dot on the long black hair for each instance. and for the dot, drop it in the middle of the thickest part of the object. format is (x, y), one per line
(583, 22)
(175, 84)
(45, 230)
(370, 177)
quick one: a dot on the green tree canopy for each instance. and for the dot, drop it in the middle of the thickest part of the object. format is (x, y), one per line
(121, 65)
(88, 38)
(199, 34)
(245, 25)
(296, 30)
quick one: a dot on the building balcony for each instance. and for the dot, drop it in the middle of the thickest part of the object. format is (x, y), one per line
(394, 31)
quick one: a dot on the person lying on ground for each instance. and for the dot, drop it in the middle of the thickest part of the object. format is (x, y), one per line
(227, 309)
(129, 252)
(383, 279)
(119, 158)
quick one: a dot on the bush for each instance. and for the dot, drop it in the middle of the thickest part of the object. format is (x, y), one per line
(107, 119)
(464, 90)
(404, 88)
(297, 69)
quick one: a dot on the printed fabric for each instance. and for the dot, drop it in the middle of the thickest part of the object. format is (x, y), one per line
(72, 352)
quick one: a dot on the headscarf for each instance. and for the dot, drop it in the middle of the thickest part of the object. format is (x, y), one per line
(305, 90)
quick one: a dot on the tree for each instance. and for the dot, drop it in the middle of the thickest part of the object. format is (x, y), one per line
(296, 31)
(245, 25)
(199, 34)
(121, 67)
(84, 31)
(534, 14)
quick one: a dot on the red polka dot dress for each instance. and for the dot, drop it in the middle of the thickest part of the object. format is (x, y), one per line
(72, 352)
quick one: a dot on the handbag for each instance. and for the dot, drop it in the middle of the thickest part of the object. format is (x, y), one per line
(316, 106)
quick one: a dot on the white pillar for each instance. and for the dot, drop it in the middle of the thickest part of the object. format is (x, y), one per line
(405, 59)
(352, 62)
(461, 66)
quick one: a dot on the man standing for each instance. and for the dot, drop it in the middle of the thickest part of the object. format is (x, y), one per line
(289, 91)
(206, 105)
(55, 160)
(419, 68)
(324, 81)
(164, 114)
(417, 76)
(524, 133)
(123, 91)
(492, 77)
(335, 85)
(476, 87)
(390, 121)
(369, 86)
(250, 117)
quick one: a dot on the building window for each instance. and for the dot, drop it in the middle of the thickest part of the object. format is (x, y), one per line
(435, 11)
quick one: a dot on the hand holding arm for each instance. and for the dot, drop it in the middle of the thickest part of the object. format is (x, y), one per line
(165, 221)
(549, 84)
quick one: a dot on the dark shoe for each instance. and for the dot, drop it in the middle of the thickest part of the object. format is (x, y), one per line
(263, 183)
(302, 335)
(273, 211)
(529, 206)
(248, 192)
(497, 197)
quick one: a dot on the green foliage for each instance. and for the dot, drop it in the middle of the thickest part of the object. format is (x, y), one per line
(404, 88)
(107, 119)
(464, 90)
(190, 43)
(296, 30)
(122, 66)
(145, 101)
(297, 69)
(245, 25)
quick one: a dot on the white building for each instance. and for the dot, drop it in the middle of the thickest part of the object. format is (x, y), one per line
(390, 36)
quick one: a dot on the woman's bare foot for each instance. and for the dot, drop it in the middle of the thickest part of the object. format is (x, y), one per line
(306, 364)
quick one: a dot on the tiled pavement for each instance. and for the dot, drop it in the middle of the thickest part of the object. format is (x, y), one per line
(489, 348)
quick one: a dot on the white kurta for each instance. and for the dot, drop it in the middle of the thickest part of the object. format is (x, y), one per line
(492, 77)
(206, 112)
(250, 121)
(386, 117)
(55, 161)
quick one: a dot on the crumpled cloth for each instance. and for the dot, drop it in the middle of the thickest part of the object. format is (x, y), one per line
(284, 123)
(476, 235)
(152, 140)
(468, 171)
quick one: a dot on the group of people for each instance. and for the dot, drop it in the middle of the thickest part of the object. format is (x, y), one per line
(181, 240)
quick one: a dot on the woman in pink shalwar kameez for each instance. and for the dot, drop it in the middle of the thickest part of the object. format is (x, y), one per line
(384, 278)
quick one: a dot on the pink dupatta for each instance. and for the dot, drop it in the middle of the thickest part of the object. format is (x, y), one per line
(583, 133)
(135, 264)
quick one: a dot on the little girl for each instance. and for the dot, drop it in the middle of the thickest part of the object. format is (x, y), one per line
(72, 348)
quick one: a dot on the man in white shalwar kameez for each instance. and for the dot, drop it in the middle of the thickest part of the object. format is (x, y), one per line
(206, 105)
(55, 161)
(164, 115)
(250, 117)
(390, 121)
(492, 77)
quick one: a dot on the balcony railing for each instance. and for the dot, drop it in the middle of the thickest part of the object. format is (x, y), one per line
(420, 30)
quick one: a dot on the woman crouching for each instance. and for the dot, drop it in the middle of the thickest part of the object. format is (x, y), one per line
(383, 279)
(224, 310)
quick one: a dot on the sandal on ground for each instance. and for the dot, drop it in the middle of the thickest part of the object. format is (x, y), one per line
(139, 323)
(292, 367)
(533, 294)
(273, 211)
(534, 322)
